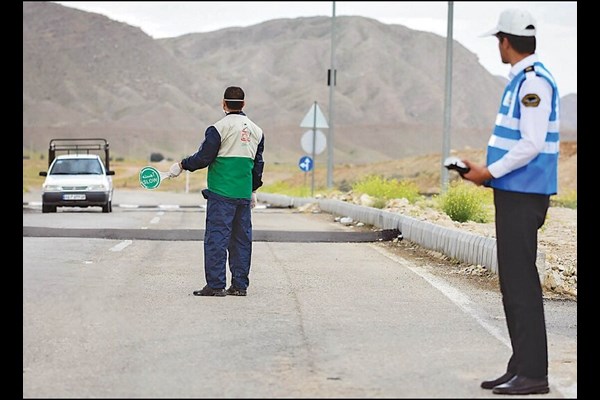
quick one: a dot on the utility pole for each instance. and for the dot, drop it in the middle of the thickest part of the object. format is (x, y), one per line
(447, 99)
(331, 77)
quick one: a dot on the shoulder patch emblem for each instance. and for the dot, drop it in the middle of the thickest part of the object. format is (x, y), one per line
(531, 100)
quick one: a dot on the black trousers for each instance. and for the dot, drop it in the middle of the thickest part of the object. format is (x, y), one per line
(518, 218)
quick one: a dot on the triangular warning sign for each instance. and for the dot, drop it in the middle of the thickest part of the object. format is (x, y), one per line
(309, 120)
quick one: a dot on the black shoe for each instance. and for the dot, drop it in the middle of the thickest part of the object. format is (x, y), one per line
(523, 385)
(208, 291)
(233, 291)
(498, 381)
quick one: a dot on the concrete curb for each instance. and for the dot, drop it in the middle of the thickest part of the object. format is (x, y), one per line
(456, 244)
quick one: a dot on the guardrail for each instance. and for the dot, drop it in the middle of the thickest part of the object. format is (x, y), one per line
(454, 243)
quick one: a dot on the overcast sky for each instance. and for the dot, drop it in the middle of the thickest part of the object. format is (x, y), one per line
(556, 22)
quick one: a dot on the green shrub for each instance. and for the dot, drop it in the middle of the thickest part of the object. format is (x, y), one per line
(464, 201)
(286, 189)
(567, 200)
(156, 157)
(385, 189)
(344, 186)
(379, 203)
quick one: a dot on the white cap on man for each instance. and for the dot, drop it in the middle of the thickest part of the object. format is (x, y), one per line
(515, 22)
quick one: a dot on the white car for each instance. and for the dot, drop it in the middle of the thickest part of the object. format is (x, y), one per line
(77, 180)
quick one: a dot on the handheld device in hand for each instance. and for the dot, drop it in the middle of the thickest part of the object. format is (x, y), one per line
(456, 164)
(150, 177)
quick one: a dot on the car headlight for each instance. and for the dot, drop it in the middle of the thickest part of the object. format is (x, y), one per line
(98, 188)
(52, 188)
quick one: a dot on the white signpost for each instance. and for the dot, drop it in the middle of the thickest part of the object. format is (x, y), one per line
(314, 141)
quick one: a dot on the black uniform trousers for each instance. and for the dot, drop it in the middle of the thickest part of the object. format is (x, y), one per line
(518, 218)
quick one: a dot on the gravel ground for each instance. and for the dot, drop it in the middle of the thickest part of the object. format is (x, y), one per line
(557, 240)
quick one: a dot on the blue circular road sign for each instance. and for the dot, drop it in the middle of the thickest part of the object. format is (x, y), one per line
(305, 163)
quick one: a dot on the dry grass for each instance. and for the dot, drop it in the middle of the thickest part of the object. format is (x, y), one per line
(424, 170)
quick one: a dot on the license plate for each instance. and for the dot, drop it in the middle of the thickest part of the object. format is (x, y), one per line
(73, 196)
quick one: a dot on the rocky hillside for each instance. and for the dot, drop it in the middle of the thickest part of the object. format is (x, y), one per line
(85, 75)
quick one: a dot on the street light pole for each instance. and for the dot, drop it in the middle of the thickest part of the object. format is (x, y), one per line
(331, 82)
(448, 99)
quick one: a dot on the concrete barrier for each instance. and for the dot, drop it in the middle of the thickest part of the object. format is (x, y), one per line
(454, 243)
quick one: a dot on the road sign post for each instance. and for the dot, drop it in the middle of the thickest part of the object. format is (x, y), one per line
(314, 119)
(306, 164)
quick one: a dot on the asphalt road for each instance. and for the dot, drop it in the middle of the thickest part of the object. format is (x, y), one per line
(117, 318)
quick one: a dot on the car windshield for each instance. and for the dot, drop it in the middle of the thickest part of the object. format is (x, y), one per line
(76, 167)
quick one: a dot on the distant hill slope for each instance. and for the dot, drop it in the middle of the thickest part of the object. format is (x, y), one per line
(87, 75)
(568, 115)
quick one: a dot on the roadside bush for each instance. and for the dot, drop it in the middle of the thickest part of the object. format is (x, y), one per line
(156, 157)
(344, 186)
(385, 189)
(286, 189)
(567, 200)
(463, 201)
(379, 203)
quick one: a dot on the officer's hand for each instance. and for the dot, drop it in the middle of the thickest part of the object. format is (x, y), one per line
(253, 200)
(477, 174)
(175, 170)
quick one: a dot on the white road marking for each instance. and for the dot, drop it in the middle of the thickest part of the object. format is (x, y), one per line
(121, 246)
(455, 295)
(155, 220)
(168, 206)
(463, 301)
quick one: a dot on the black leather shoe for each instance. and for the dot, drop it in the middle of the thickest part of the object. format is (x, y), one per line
(523, 385)
(233, 291)
(498, 381)
(208, 291)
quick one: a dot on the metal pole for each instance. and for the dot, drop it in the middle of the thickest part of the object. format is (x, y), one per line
(312, 184)
(187, 182)
(448, 99)
(187, 175)
(331, 85)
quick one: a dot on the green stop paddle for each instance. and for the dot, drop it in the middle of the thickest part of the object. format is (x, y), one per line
(150, 177)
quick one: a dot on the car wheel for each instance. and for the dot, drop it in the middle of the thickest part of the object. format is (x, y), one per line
(48, 209)
(107, 207)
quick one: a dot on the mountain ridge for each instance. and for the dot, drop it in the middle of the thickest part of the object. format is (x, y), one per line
(87, 75)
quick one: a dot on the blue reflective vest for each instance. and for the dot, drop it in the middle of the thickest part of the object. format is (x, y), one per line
(541, 174)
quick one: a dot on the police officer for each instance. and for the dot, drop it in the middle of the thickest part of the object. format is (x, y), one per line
(233, 152)
(521, 168)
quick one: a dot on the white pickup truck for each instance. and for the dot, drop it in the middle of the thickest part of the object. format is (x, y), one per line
(79, 178)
